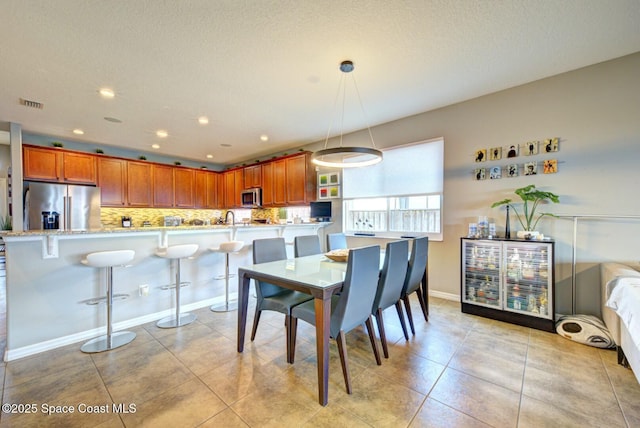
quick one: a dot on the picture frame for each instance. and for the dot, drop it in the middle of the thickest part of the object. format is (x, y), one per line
(495, 153)
(495, 173)
(512, 151)
(530, 148)
(550, 166)
(512, 170)
(323, 193)
(551, 145)
(480, 174)
(481, 155)
(531, 168)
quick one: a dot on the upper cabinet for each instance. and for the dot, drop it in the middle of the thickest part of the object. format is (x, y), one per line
(58, 165)
(163, 186)
(252, 176)
(139, 188)
(112, 180)
(184, 187)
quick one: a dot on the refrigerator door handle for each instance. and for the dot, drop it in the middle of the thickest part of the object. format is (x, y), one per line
(67, 215)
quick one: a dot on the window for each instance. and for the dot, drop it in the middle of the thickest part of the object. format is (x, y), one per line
(400, 196)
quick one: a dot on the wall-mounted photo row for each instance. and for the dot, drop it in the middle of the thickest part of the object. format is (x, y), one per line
(549, 166)
(530, 148)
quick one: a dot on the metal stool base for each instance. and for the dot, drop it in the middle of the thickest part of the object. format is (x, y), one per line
(171, 322)
(101, 344)
(225, 307)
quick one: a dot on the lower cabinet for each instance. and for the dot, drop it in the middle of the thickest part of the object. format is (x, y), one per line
(509, 280)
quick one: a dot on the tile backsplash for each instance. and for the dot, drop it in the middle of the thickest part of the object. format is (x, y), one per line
(112, 217)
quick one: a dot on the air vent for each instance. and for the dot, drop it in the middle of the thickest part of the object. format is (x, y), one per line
(32, 104)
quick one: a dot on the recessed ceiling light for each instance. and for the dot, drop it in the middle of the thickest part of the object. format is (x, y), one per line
(209, 156)
(107, 93)
(203, 120)
(78, 131)
(162, 133)
(264, 137)
(155, 146)
(225, 145)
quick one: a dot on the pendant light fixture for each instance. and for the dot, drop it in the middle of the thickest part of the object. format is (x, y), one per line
(347, 157)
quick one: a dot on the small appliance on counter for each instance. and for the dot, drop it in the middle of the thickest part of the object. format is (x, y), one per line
(172, 221)
(126, 221)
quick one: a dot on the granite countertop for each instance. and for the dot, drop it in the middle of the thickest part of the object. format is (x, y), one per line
(237, 226)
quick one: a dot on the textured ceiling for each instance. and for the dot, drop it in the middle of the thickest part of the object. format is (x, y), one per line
(271, 67)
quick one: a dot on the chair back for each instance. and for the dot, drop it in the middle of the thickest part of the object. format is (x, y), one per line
(358, 291)
(392, 276)
(417, 265)
(306, 245)
(264, 251)
(336, 241)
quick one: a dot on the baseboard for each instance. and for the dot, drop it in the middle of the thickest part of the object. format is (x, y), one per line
(445, 296)
(48, 345)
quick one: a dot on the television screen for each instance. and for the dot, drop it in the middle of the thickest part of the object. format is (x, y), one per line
(320, 210)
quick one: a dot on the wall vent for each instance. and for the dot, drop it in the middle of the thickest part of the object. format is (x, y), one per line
(32, 104)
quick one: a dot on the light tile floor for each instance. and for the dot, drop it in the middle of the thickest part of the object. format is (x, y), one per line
(457, 371)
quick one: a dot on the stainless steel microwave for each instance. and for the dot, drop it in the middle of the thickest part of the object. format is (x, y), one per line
(251, 198)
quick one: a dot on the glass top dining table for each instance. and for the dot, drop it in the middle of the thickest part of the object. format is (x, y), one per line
(315, 275)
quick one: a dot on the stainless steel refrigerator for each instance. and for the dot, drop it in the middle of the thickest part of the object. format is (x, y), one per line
(61, 207)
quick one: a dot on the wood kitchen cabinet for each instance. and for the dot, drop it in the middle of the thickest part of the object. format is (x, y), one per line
(252, 176)
(184, 187)
(139, 189)
(58, 165)
(206, 189)
(267, 184)
(300, 179)
(112, 180)
(233, 187)
(280, 182)
(163, 185)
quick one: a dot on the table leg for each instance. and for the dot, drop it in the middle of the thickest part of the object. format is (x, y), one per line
(323, 331)
(243, 304)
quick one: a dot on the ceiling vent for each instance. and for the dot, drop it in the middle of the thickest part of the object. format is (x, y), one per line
(32, 104)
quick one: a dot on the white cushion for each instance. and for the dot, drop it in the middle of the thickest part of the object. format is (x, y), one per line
(109, 258)
(178, 251)
(229, 247)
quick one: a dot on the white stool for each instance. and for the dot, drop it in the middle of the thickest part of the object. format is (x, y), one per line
(177, 253)
(108, 259)
(227, 248)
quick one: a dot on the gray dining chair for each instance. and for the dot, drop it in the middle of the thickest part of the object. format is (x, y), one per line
(336, 241)
(271, 297)
(350, 309)
(415, 271)
(390, 284)
(306, 245)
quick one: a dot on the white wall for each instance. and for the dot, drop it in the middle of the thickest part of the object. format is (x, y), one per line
(595, 112)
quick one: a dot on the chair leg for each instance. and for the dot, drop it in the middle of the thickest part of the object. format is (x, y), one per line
(342, 350)
(256, 320)
(374, 345)
(407, 307)
(383, 336)
(291, 337)
(423, 305)
(401, 317)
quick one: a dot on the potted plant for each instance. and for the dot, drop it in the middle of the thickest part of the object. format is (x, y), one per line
(528, 218)
(57, 144)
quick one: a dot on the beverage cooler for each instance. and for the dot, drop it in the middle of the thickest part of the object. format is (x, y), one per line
(509, 280)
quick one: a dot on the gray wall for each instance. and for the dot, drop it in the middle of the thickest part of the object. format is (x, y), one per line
(595, 111)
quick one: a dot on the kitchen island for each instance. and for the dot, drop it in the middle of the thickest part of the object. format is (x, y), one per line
(48, 288)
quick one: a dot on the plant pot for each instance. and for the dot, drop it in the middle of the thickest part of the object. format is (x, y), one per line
(528, 234)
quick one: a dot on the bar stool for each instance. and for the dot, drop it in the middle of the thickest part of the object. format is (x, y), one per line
(227, 248)
(108, 259)
(177, 253)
